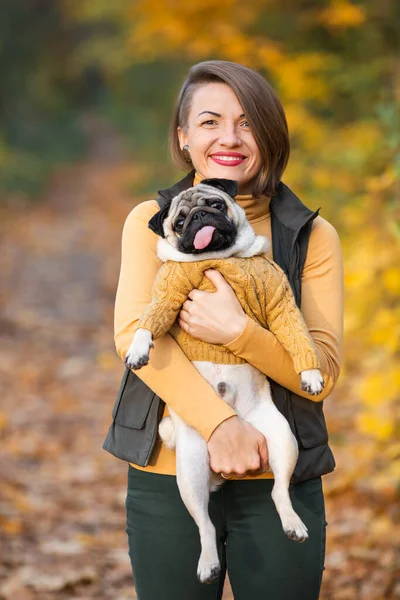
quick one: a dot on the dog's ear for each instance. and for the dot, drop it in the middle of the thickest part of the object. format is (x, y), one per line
(230, 186)
(156, 222)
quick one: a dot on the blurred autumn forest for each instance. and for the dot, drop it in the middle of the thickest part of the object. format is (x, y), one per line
(87, 92)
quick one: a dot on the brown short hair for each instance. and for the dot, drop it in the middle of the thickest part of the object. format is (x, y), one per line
(263, 110)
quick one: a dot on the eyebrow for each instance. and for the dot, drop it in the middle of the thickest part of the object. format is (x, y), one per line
(215, 114)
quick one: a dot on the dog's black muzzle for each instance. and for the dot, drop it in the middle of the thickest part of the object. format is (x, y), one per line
(223, 237)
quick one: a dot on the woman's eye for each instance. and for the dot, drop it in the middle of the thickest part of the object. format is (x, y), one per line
(210, 122)
(246, 123)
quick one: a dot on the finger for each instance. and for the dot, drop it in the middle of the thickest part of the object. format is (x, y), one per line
(188, 327)
(254, 473)
(187, 305)
(182, 325)
(194, 294)
(216, 277)
(184, 315)
(263, 452)
(241, 475)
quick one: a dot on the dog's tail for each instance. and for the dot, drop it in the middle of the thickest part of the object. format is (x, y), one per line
(166, 430)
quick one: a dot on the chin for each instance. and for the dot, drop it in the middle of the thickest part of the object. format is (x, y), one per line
(225, 172)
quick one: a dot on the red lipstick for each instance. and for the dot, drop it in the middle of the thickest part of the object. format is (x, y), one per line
(232, 158)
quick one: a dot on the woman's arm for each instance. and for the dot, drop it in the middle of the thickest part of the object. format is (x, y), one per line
(170, 374)
(322, 308)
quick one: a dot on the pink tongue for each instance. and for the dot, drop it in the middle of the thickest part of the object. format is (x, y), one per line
(203, 237)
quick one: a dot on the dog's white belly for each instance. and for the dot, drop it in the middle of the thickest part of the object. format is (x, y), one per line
(241, 386)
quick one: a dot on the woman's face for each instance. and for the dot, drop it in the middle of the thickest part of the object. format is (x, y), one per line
(219, 137)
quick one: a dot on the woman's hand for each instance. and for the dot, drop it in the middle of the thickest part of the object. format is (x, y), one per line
(213, 317)
(236, 447)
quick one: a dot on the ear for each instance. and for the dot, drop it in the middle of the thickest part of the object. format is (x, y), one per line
(156, 222)
(229, 186)
(182, 137)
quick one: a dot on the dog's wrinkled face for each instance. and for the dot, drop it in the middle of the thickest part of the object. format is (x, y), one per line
(202, 218)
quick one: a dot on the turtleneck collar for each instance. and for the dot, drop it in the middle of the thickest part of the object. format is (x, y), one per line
(256, 209)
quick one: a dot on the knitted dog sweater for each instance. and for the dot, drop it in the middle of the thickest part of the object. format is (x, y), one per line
(263, 291)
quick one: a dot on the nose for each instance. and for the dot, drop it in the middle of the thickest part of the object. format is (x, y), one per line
(230, 137)
(201, 213)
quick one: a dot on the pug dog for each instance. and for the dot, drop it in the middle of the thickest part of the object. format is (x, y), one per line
(202, 228)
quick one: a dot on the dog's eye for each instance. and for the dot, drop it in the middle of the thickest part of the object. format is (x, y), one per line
(179, 223)
(217, 204)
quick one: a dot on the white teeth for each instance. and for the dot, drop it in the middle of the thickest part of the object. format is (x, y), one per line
(229, 158)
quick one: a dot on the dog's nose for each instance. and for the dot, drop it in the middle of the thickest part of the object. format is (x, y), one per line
(201, 213)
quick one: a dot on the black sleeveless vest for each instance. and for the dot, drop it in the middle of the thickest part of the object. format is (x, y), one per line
(137, 410)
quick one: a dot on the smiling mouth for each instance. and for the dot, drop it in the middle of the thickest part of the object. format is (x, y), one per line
(228, 159)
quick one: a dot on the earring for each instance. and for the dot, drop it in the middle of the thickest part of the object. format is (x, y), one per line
(186, 153)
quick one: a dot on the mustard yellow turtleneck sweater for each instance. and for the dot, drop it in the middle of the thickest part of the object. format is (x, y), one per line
(171, 375)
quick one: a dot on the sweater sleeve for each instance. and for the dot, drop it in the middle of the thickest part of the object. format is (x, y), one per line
(170, 290)
(322, 308)
(170, 374)
(286, 322)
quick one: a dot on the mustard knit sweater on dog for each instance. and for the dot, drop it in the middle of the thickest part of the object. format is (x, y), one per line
(261, 288)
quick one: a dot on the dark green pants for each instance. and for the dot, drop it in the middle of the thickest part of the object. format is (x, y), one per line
(263, 564)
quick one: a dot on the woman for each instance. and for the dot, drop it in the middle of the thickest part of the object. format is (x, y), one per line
(229, 123)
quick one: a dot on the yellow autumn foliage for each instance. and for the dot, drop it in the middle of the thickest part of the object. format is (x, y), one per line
(342, 14)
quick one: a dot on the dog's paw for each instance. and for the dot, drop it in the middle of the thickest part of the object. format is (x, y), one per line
(295, 529)
(138, 352)
(207, 572)
(312, 381)
(136, 363)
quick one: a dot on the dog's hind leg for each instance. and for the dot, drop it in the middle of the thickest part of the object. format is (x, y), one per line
(283, 453)
(193, 478)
